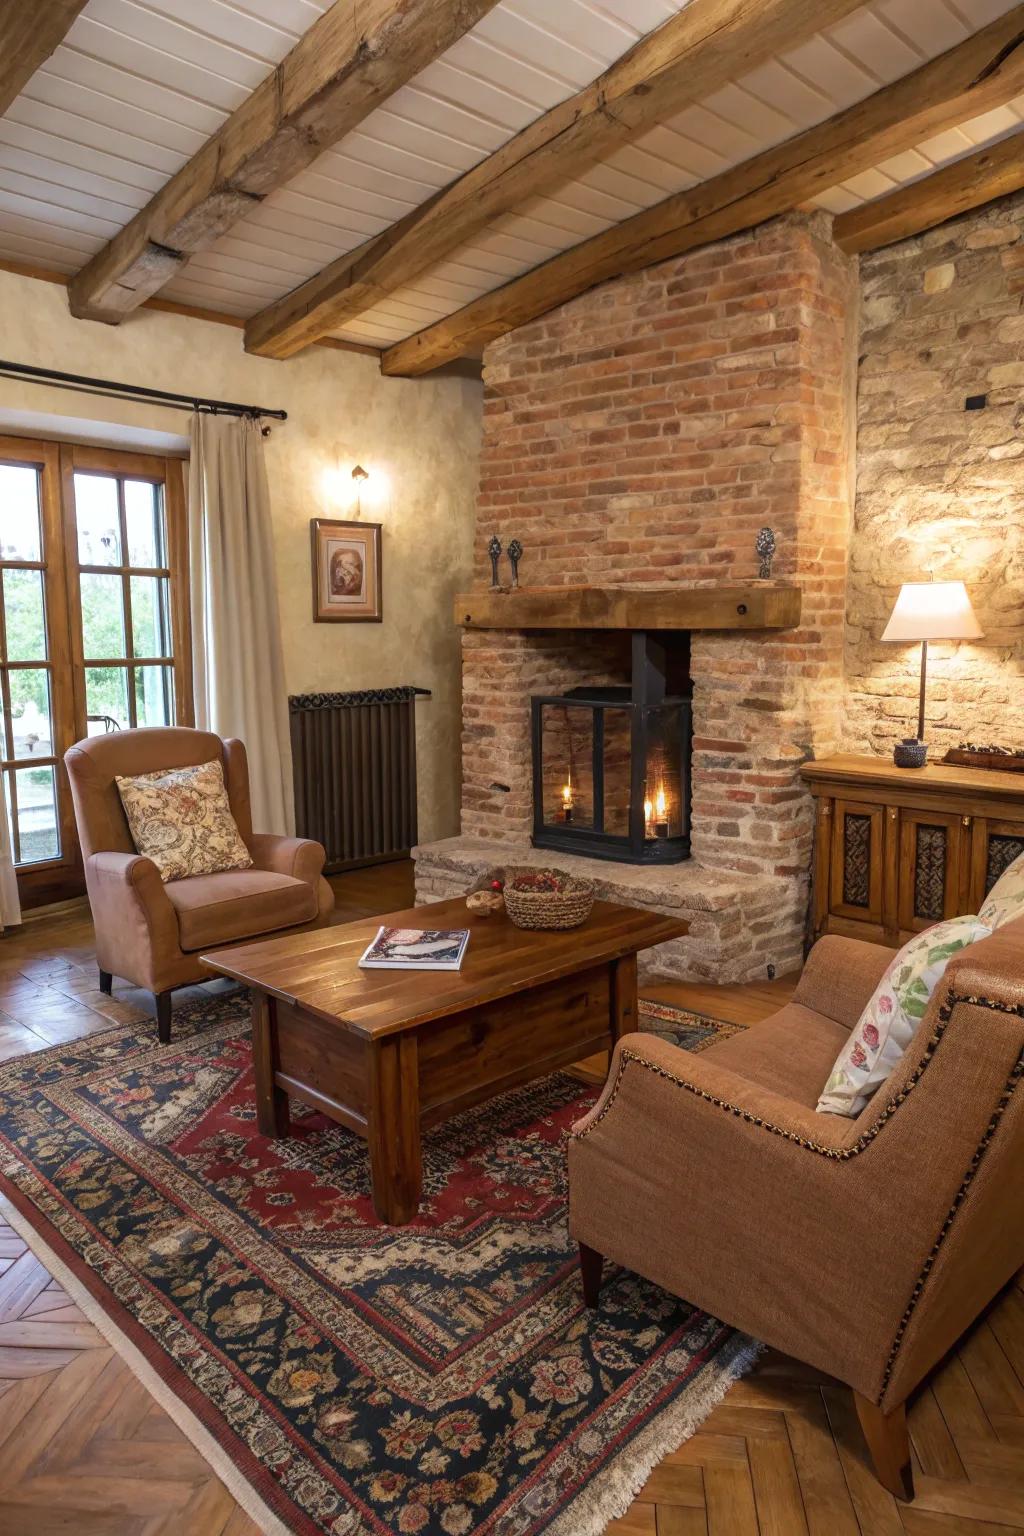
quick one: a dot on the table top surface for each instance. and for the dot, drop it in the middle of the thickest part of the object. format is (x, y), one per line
(318, 970)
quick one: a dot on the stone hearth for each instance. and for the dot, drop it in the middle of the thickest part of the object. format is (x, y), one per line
(642, 435)
(726, 910)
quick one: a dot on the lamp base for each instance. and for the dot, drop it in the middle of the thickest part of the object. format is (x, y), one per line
(910, 753)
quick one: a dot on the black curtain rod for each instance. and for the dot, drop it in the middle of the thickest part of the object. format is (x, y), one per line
(115, 391)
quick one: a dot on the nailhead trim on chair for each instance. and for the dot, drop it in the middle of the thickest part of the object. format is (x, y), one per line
(979, 1152)
(842, 1154)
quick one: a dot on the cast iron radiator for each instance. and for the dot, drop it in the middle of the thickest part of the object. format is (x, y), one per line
(354, 765)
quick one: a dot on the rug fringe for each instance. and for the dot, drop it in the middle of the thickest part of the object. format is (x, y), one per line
(191, 1427)
(609, 1494)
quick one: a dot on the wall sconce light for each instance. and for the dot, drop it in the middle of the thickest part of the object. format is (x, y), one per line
(360, 476)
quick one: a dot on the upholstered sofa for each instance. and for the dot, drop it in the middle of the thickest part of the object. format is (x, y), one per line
(151, 933)
(864, 1247)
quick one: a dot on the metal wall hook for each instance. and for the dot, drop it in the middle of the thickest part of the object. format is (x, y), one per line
(494, 555)
(765, 548)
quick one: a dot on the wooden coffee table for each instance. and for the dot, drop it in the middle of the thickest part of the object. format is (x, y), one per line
(390, 1053)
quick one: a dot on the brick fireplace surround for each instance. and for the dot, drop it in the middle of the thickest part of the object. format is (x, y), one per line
(642, 435)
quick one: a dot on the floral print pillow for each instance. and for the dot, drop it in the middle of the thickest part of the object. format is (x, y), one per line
(890, 1020)
(181, 819)
(1005, 901)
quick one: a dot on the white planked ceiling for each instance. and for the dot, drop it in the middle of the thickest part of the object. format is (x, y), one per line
(136, 89)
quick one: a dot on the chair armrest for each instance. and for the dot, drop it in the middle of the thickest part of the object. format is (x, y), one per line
(299, 857)
(839, 977)
(136, 925)
(717, 1084)
(127, 876)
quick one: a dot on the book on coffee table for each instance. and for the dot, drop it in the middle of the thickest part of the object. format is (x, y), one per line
(416, 949)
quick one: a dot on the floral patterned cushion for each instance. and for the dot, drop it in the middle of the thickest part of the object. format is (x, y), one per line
(1005, 901)
(181, 819)
(888, 1023)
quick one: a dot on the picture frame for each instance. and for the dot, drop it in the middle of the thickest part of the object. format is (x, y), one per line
(347, 575)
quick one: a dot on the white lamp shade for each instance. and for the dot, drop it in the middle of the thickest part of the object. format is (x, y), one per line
(933, 610)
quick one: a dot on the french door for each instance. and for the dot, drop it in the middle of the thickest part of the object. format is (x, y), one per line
(93, 628)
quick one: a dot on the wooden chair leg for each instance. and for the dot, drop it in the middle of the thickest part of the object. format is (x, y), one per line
(591, 1265)
(163, 1016)
(106, 982)
(889, 1444)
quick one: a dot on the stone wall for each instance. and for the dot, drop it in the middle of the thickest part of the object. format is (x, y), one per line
(940, 490)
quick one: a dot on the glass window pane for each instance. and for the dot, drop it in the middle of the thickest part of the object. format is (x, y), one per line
(102, 616)
(151, 628)
(19, 512)
(38, 835)
(106, 699)
(30, 711)
(99, 525)
(24, 616)
(618, 759)
(144, 520)
(154, 695)
(567, 745)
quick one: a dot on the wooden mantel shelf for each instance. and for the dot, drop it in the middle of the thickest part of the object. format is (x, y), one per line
(756, 605)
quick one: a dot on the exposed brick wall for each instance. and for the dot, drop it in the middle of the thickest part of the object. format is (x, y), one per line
(940, 490)
(642, 434)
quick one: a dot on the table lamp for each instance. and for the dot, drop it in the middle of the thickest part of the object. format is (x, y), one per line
(928, 610)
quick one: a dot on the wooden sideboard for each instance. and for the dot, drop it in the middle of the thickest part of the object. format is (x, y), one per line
(897, 849)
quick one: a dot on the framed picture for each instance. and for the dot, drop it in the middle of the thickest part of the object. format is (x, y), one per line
(347, 585)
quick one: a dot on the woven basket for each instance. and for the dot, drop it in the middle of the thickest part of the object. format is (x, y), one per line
(566, 905)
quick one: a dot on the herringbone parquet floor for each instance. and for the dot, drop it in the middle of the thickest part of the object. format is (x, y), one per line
(85, 1451)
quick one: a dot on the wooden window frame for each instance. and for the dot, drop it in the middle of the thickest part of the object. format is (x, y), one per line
(79, 458)
(62, 878)
(47, 880)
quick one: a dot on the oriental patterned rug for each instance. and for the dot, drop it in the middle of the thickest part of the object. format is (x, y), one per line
(344, 1377)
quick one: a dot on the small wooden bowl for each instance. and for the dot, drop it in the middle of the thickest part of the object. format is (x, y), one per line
(485, 903)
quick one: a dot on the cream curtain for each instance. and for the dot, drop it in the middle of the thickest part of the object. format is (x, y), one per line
(237, 658)
(10, 905)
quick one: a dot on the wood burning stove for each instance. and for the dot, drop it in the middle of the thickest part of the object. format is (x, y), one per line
(611, 766)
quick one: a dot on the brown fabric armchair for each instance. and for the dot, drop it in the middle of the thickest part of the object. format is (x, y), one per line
(863, 1247)
(151, 933)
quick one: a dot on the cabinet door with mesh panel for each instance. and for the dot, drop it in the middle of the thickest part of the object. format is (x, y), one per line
(995, 844)
(929, 868)
(856, 864)
(35, 671)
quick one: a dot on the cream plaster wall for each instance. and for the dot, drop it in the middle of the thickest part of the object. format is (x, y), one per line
(420, 439)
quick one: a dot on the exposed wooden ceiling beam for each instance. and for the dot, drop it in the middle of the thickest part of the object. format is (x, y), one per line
(28, 35)
(968, 183)
(981, 73)
(352, 58)
(689, 56)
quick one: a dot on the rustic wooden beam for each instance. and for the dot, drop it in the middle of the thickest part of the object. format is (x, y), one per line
(705, 46)
(756, 605)
(352, 58)
(28, 35)
(968, 183)
(981, 73)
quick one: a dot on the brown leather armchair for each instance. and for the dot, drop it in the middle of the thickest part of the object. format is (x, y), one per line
(864, 1247)
(152, 933)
